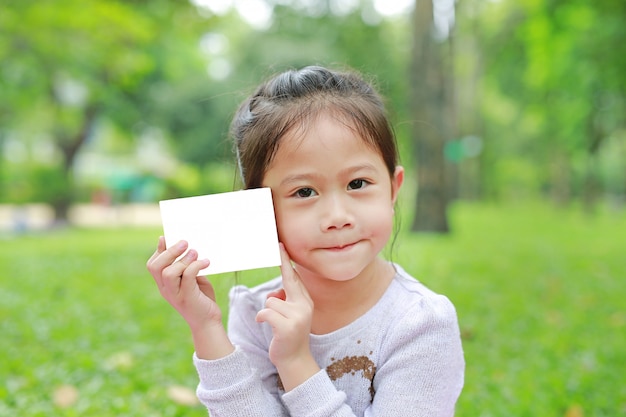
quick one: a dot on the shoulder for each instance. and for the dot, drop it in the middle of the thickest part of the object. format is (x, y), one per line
(254, 297)
(421, 364)
(420, 311)
(412, 285)
(244, 304)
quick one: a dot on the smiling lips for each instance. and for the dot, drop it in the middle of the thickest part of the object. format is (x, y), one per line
(339, 248)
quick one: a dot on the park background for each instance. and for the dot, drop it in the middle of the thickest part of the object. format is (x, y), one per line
(511, 120)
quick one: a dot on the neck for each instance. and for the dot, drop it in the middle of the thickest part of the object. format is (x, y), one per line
(339, 303)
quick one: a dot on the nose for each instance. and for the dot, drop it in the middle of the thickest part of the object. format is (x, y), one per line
(337, 213)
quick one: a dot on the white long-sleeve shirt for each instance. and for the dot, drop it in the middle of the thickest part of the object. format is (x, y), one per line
(401, 358)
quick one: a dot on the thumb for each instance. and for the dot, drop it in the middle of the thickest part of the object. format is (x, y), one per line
(205, 286)
(280, 294)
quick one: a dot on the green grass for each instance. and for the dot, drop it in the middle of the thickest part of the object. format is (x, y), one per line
(539, 292)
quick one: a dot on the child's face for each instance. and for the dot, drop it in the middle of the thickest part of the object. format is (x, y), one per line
(333, 198)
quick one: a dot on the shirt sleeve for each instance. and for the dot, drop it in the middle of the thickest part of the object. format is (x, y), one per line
(422, 366)
(240, 384)
(229, 387)
(316, 397)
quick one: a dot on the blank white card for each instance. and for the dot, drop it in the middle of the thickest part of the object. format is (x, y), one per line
(236, 231)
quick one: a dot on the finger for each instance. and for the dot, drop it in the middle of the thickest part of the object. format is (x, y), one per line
(167, 257)
(190, 274)
(289, 275)
(280, 294)
(271, 317)
(205, 286)
(173, 273)
(161, 245)
(293, 286)
(160, 249)
(152, 267)
(280, 306)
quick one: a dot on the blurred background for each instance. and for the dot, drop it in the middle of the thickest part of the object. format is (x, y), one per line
(511, 121)
(109, 103)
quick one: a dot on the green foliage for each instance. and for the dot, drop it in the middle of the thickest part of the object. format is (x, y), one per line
(69, 67)
(98, 44)
(190, 180)
(538, 81)
(196, 115)
(39, 183)
(539, 295)
(297, 38)
(551, 82)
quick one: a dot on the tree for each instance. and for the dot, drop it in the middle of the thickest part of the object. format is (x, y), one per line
(299, 37)
(553, 91)
(67, 65)
(431, 104)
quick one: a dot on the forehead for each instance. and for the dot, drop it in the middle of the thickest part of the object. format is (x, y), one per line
(324, 133)
(325, 149)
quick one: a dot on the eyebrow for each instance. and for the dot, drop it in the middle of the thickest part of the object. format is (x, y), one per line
(312, 176)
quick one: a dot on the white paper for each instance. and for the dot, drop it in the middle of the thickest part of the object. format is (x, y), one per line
(236, 231)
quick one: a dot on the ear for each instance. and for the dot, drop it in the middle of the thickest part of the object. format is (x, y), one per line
(396, 183)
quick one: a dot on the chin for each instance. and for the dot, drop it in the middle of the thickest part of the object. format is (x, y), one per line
(337, 273)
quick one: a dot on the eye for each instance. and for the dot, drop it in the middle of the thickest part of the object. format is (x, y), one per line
(357, 184)
(305, 192)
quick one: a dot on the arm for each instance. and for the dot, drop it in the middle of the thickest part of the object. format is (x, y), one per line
(308, 389)
(250, 374)
(244, 383)
(289, 312)
(317, 394)
(422, 366)
(287, 335)
(229, 385)
(192, 296)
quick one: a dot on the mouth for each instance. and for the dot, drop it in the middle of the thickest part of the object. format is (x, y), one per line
(340, 248)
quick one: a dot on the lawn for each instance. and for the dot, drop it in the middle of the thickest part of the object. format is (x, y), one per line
(539, 292)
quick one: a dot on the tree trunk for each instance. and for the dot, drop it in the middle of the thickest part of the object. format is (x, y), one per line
(429, 99)
(560, 178)
(70, 147)
(591, 183)
(452, 173)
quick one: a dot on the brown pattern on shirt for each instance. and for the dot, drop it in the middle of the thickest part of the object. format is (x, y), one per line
(349, 365)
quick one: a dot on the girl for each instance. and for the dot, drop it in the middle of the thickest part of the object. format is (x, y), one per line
(341, 332)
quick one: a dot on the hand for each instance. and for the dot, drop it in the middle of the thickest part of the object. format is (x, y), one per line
(178, 281)
(289, 311)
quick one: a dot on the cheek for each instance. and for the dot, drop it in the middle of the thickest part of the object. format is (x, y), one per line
(381, 222)
(293, 235)
(288, 226)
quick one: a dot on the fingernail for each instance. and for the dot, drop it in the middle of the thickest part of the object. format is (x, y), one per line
(181, 244)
